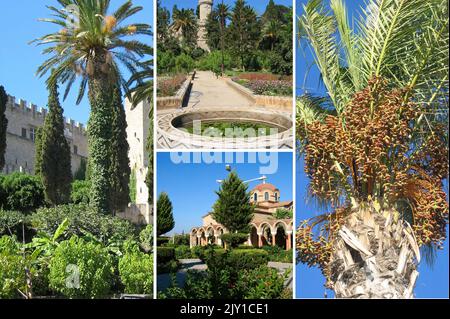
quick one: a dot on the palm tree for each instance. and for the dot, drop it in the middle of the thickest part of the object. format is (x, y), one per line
(93, 46)
(272, 32)
(223, 13)
(185, 23)
(376, 145)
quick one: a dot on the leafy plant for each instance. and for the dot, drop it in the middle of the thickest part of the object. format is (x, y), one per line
(80, 269)
(136, 272)
(80, 192)
(21, 192)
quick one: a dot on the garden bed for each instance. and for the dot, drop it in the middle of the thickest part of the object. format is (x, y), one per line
(173, 91)
(264, 89)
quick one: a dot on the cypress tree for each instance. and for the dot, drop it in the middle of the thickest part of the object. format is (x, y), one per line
(233, 208)
(244, 31)
(53, 164)
(3, 126)
(165, 222)
(120, 164)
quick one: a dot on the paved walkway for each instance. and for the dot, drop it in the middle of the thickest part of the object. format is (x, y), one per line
(210, 91)
(164, 280)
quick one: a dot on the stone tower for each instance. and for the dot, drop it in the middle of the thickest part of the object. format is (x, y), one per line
(137, 133)
(205, 8)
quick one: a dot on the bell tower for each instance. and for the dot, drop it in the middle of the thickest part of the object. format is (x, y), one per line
(205, 9)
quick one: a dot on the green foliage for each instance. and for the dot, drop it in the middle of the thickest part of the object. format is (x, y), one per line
(83, 220)
(80, 269)
(283, 213)
(21, 192)
(244, 31)
(81, 172)
(80, 192)
(233, 208)
(165, 254)
(136, 272)
(54, 162)
(166, 260)
(162, 241)
(11, 223)
(99, 141)
(12, 269)
(146, 238)
(165, 221)
(248, 258)
(278, 254)
(184, 63)
(183, 252)
(166, 62)
(132, 186)
(226, 279)
(3, 126)
(183, 239)
(213, 62)
(120, 164)
(233, 240)
(261, 282)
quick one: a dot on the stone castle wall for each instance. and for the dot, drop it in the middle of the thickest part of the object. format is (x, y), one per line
(23, 120)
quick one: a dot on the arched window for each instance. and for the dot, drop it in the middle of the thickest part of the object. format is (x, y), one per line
(266, 196)
(255, 197)
(276, 197)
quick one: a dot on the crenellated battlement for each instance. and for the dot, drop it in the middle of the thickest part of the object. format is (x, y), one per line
(39, 113)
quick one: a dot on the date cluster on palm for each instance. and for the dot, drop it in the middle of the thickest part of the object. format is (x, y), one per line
(383, 179)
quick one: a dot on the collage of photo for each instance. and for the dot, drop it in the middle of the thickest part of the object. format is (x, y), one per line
(224, 149)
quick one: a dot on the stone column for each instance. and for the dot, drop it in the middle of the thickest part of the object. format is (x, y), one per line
(260, 243)
(288, 240)
(199, 240)
(273, 238)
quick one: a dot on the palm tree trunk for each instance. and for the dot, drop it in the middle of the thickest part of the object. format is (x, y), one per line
(375, 255)
(99, 134)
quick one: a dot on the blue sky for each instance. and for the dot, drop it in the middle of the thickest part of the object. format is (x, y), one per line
(433, 282)
(20, 60)
(259, 5)
(191, 186)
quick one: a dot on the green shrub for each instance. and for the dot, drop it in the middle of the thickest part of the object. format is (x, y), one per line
(283, 213)
(165, 254)
(80, 192)
(11, 223)
(183, 252)
(182, 240)
(82, 220)
(21, 192)
(80, 269)
(146, 238)
(223, 280)
(234, 239)
(166, 262)
(278, 254)
(184, 63)
(136, 272)
(248, 258)
(12, 269)
(260, 283)
(213, 62)
(166, 62)
(161, 241)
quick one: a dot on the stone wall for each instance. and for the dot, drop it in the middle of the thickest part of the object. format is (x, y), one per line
(280, 103)
(23, 120)
(176, 101)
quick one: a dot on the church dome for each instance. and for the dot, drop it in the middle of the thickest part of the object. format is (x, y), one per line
(266, 186)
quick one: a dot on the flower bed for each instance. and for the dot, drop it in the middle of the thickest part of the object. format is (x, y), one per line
(169, 86)
(265, 83)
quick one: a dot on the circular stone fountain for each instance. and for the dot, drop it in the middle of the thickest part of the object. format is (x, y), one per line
(172, 133)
